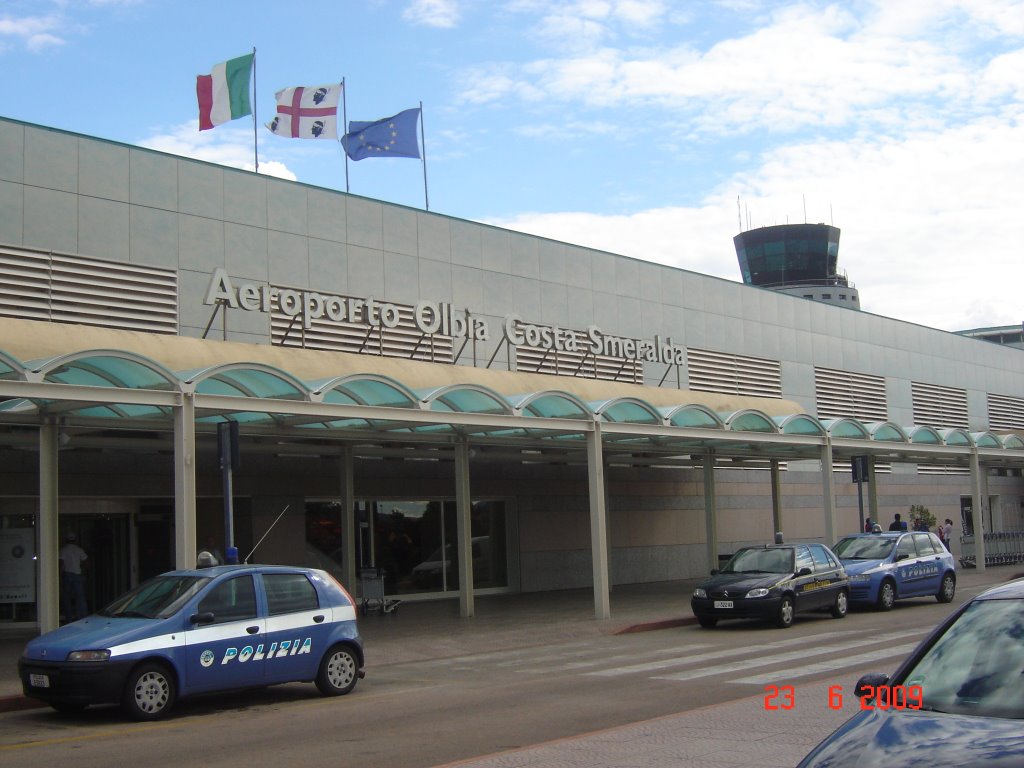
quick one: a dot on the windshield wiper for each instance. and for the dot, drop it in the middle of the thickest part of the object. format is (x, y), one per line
(132, 615)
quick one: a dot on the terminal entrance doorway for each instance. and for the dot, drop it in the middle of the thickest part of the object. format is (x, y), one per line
(414, 542)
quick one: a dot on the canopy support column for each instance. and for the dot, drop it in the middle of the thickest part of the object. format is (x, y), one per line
(598, 523)
(464, 523)
(979, 512)
(828, 490)
(185, 483)
(776, 497)
(49, 544)
(710, 509)
(348, 517)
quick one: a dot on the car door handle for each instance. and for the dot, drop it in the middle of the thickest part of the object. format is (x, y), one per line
(318, 619)
(252, 630)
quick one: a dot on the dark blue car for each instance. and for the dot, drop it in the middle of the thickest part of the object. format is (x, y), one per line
(885, 567)
(958, 700)
(200, 631)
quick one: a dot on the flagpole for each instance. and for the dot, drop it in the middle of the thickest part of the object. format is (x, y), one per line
(255, 122)
(423, 142)
(344, 128)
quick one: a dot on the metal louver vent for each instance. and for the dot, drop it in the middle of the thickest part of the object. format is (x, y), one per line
(846, 395)
(1005, 412)
(939, 406)
(560, 362)
(734, 374)
(405, 340)
(63, 288)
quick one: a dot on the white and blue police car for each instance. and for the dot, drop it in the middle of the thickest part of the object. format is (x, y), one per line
(200, 631)
(885, 567)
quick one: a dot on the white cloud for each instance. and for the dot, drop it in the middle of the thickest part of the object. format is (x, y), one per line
(224, 145)
(444, 14)
(38, 33)
(922, 231)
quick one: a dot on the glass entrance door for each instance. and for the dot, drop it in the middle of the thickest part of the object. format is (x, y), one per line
(416, 544)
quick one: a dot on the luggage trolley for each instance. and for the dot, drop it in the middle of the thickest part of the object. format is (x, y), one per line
(371, 581)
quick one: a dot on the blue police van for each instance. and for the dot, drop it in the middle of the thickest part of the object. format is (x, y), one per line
(885, 567)
(200, 631)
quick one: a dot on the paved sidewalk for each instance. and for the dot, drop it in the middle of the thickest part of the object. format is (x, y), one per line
(733, 734)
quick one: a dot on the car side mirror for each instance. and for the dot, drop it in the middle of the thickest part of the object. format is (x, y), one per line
(901, 557)
(805, 571)
(869, 684)
(206, 617)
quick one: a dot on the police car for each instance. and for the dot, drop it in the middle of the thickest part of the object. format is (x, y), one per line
(200, 631)
(772, 582)
(884, 567)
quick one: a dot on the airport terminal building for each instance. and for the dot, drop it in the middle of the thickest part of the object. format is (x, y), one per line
(468, 408)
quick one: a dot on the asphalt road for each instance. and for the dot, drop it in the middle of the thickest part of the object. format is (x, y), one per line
(428, 713)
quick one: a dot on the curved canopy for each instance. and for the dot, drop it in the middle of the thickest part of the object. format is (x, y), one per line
(749, 420)
(146, 391)
(365, 389)
(627, 410)
(465, 398)
(551, 404)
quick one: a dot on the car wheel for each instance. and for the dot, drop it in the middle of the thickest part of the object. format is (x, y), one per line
(708, 622)
(886, 596)
(149, 692)
(948, 589)
(339, 671)
(784, 618)
(841, 605)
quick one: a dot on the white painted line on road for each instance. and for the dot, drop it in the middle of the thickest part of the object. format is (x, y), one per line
(872, 657)
(781, 658)
(732, 652)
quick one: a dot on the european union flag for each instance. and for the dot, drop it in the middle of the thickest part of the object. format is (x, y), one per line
(390, 137)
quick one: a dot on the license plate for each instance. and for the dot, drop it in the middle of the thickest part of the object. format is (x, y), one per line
(723, 603)
(39, 681)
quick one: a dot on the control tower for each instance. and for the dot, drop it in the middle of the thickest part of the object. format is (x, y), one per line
(798, 259)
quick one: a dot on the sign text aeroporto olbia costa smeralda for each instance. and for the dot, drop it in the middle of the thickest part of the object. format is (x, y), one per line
(433, 317)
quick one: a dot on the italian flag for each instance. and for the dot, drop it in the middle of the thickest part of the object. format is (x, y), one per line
(224, 93)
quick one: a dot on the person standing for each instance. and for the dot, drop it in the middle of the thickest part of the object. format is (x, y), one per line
(897, 523)
(947, 531)
(72, 561)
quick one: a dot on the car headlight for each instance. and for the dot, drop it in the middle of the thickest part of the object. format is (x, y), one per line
(98, 655)
(861, 577)
(698, 592)
(759, 592)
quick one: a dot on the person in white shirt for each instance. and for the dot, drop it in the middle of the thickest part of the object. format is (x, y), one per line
(72, 560)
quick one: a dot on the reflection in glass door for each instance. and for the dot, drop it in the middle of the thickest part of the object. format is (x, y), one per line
(416, 544)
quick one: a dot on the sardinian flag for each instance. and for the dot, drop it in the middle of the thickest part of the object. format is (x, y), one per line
(307, 112)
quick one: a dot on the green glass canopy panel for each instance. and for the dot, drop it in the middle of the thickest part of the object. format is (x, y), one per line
(958, 437)
(887, 432)
(924, 436)
(106, 368)
(693, 416)
(750, 421)
(799, 424)
(552, 405)
(367, 390)
(248, 380)
(986, 440)
(1013, 442)
(468, 398)
(849, 429)
(628, 410)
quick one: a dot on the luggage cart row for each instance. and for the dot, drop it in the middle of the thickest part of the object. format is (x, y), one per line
(371, 592)
(1002, 548)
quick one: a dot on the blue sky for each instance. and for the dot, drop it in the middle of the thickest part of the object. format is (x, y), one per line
(649, 128)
